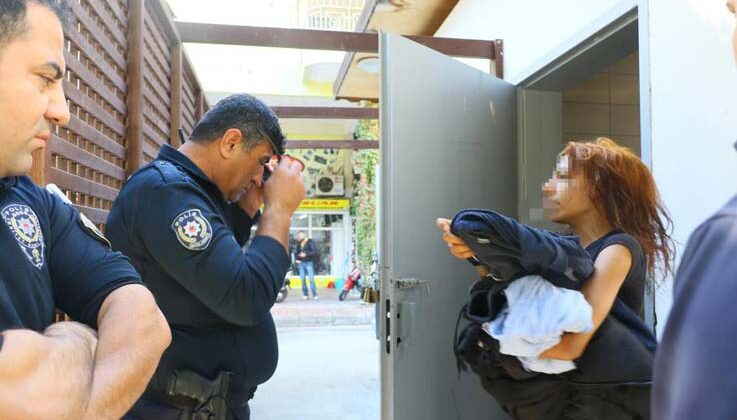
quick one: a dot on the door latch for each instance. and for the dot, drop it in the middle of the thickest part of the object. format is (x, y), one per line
(411, 283)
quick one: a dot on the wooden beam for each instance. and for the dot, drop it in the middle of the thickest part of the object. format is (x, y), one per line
(332, 144)
(363, 21)
(310, 39)
(40, 172)
(199, 106)
(134, 134)
(177, 74)
(161, 12)
(67, 150)
(95, 214)
(498, 69)
(82, 185)
(326, 112)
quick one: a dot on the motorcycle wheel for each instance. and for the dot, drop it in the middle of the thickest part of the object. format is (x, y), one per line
(342, 295)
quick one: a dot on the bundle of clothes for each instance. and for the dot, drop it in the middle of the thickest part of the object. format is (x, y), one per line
(529, 299)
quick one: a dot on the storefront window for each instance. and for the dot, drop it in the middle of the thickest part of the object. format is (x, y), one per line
(328, 231)
(327, 220)
(331, 236)
(300, 220)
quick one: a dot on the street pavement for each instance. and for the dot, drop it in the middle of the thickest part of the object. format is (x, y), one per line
(295, 312)
(328, 361)
(324, 373)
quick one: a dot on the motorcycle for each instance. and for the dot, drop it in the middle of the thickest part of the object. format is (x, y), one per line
(281, 295)
(351, 282)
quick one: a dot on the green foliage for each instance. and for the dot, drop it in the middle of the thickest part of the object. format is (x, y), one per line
(367, 130)
(363, 207)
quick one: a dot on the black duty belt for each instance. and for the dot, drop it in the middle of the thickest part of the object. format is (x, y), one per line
(198, 397)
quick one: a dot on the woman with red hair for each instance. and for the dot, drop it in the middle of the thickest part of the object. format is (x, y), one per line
(604, 194)
(607, 197)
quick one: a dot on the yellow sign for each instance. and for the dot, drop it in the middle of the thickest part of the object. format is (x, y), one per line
(325, 204)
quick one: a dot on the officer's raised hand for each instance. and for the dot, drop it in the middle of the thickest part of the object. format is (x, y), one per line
(285, 188)
(253, 196)
(282, 194)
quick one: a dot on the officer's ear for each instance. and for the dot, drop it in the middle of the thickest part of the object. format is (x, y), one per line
(231, 143)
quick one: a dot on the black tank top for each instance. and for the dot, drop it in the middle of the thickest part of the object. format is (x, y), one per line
(633, 288)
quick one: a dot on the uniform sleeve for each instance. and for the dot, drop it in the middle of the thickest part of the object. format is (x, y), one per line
(193, 244)
(699, 245)
(242, 223)
(695, 363)
(84, 270)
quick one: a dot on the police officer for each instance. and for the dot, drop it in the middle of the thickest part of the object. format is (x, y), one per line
(182, 220)
(696, 362)
(52, 257)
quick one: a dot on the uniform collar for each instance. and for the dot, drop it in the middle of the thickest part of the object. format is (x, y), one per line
(179, 159)
(8, 183)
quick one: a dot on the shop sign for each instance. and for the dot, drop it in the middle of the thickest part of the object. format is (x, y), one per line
(325, 204)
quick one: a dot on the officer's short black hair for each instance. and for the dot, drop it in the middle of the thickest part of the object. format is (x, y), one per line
(13, 22)
(256, 121)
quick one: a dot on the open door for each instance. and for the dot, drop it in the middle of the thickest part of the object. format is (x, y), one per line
(448, 142)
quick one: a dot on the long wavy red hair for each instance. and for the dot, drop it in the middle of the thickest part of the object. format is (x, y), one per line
(623, 190)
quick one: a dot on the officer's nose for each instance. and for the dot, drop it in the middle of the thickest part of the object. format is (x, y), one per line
(57, 111)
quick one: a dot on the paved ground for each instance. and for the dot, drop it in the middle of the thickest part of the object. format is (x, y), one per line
(324, 373)
(328, 362)
(295, 312)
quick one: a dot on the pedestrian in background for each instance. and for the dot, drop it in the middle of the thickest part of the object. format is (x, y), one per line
(306, 259)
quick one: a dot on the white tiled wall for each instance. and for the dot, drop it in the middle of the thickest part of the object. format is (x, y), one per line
(606, 105)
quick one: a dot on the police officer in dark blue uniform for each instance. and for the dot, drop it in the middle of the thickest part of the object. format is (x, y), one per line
(183, 220)
(53, 257)
(696, 363)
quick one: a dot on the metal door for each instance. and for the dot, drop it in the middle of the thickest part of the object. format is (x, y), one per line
(448, 142)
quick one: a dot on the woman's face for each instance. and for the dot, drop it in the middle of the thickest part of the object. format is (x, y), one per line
(565, 195)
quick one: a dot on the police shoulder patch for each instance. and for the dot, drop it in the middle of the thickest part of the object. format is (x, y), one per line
(92, 230)
(23, 223)
(192, 230)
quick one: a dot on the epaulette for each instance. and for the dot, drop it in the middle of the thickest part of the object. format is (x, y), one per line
(169, 172)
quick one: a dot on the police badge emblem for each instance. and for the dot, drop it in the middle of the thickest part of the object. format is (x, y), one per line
(192, 230)
(26, 228)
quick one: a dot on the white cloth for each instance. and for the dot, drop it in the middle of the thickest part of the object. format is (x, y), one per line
(536, 315)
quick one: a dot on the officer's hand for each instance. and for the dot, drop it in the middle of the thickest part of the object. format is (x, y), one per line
(456, 246)
(285, 188)
(252, 199)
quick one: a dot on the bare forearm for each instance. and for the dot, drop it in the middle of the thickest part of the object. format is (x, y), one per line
(132, 336)
(571, 347)
(54, 368)
(275, 224)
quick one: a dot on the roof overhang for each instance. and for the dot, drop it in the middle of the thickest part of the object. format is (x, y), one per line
(405, 17)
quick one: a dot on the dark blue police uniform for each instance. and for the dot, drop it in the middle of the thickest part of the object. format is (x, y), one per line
(50, 258)
(186, 241)
(696, 364)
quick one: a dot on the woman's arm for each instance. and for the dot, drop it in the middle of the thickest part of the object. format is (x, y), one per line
(600, 290)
